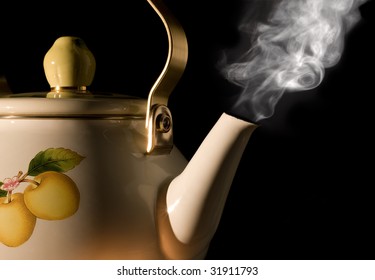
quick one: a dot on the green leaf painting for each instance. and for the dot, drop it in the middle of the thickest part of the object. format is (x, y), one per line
(2, 192)
(54, 159)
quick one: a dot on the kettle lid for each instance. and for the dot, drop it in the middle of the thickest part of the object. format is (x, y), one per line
(69, 67)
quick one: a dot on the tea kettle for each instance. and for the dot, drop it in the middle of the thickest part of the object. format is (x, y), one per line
(89, 175)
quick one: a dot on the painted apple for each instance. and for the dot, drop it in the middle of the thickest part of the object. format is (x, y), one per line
(16, 221)
(54, 196)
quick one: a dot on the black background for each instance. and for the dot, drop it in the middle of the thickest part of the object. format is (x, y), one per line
(304, 187)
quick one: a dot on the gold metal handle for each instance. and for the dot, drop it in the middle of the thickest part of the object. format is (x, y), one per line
(165, 83)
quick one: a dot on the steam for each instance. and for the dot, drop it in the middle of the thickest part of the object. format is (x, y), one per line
(289, 51)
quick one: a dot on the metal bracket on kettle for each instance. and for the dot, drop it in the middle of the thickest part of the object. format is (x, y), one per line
(158, 117)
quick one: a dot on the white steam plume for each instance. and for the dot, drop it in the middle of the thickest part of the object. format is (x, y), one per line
(290, 52)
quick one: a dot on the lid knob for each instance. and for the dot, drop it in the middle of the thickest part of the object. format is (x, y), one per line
(69, 66)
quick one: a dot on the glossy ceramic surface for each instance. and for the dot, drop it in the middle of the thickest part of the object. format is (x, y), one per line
(117, 183)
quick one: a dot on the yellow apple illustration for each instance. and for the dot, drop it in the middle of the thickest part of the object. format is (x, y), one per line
(56, 196)
(16, 221)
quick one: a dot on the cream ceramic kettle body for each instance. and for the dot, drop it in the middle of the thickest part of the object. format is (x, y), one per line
(114, 212)
(126, 206)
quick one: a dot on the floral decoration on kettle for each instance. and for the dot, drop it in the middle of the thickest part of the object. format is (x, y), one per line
(50, 195)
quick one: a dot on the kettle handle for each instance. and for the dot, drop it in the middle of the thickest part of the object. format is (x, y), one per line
(168, 78)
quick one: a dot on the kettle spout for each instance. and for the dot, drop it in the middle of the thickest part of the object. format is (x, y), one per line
(195, 199)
